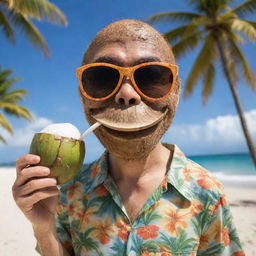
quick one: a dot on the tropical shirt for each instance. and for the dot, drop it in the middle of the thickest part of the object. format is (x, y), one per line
(187, 214)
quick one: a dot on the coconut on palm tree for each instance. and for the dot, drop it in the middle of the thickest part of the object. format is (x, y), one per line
(219, 30)
(9, 99)
(18, 14)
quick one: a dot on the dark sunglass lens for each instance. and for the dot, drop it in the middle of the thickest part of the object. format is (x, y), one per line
(99, 81)
(154, 81)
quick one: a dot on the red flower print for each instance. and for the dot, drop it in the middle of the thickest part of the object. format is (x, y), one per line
(239, 253)
(124, 229)
(165, 251)
(75, 209)
(165, 254)
(151, 254)
(196, 207)
(101, 190)
(221, 202)
(225, 236)
(148, 232)
(95, 171)
(175, 219)
(75, 191)
(186, 173)
(204, 241)
(104, 239)
(206, 182)
(104, 230)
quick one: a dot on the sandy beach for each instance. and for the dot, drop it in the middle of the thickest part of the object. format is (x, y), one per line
(16, 237)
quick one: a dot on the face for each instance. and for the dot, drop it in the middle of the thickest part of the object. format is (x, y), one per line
(133, 125)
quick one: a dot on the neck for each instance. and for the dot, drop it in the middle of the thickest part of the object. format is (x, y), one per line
(135, 170)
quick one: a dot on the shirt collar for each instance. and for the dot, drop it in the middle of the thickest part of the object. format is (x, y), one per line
(175, 175)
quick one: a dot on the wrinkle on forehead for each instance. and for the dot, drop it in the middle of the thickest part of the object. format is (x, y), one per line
(129, 30)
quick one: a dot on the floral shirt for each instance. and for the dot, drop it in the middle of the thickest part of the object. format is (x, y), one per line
(187, 214)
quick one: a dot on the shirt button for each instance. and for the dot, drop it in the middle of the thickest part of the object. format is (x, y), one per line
(132, 253)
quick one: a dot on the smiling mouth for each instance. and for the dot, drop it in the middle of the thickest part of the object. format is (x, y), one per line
(132, 124)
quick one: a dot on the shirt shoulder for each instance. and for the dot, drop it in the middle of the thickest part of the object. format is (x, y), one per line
(192, 180)
(202, 182)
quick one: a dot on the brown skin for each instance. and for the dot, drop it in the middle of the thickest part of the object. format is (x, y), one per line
(131, 145)
(137, 160)
(37, 197)
(137, 175)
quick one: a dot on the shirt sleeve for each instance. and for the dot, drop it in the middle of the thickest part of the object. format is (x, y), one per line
(220, 237)
(62, 226)
(62, 229)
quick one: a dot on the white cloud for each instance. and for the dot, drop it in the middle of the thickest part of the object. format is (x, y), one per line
(221, 134)
(23, 136)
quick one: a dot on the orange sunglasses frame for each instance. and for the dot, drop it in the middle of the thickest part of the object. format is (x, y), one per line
(126, 71)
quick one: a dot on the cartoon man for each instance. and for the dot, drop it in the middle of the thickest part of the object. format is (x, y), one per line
(141, 197)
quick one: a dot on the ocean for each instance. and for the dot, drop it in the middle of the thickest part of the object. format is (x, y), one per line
(228, 168)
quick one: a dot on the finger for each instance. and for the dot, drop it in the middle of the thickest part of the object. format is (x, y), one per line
(26, 160)
(31, 172)
(36, 184)
(27, 203)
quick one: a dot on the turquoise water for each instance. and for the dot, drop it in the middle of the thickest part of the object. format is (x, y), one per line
(241, 164)
(234, 168)
(230, 168)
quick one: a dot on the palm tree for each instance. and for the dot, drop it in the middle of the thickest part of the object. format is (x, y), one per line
(9, 99)
(17, 13)
(218, 29)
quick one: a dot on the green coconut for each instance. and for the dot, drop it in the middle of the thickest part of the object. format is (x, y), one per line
(64, 155)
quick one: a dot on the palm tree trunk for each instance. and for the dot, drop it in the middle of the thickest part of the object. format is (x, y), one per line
(224, 61)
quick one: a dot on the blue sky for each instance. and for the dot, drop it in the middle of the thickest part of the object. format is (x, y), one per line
(53, 93)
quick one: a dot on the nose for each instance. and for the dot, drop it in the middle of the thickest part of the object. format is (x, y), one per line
(127, 96)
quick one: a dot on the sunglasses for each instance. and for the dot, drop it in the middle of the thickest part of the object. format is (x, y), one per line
(152, 80)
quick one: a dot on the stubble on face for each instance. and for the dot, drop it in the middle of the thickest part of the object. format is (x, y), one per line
(132, 145)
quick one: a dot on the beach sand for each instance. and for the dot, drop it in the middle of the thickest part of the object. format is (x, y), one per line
(16, 237)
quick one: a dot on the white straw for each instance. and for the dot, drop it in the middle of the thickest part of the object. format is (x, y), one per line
(90, 129)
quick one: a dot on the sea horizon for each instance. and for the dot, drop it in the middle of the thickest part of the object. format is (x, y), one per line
(227, 167)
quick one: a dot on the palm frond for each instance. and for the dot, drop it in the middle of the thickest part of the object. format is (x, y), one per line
(6, 26)
(210, 8)
(5, 124)
(178, 33)
(4, 86)
(239, 58)
(206, 56)
(237, 38)
(2, 139)
(16, 110)
(189, 43)
(245, 8)
(245, 28)
(201, 21)
(173, 16)
(31, 32)
(253, 23)
(208, 82)
(13, 96)
(4, 73)
(40, 10)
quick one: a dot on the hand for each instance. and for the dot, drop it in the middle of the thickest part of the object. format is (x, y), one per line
(34, 193)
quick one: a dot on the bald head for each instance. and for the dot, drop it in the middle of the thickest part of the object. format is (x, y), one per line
(123, 31)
